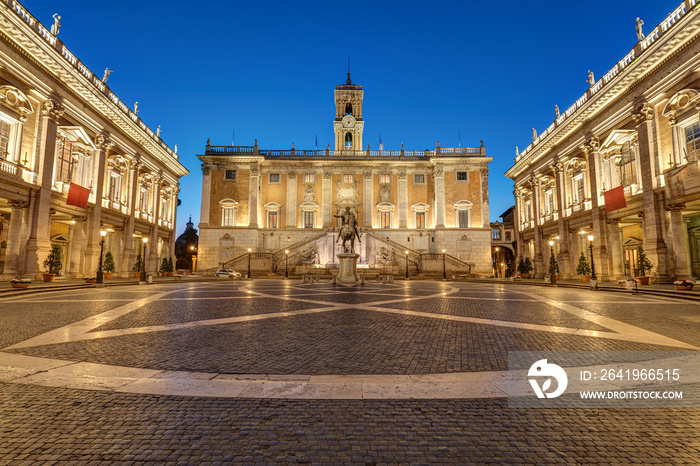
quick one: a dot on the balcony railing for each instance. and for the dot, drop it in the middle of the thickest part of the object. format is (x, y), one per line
(301, 153)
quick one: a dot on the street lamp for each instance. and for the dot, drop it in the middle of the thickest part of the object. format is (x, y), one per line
(594, 279)
(143, 263)
(444, 270)
(406, 264)
(286, 264)
(100, 273)
(552, 264)
(249, 251)
(193, 256)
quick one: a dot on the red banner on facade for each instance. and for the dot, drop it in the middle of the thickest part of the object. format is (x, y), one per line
(615, 199)
(78, 196)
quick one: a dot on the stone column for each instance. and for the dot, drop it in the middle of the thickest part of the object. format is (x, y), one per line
(615, 249)
(679, 236)
(518, 225)
(538, 259)
(439, 179)
(326, 199)
(39, 242)
(206, 195)
(563, 258)
(128, 257)
(598, 221)
(291, 207)
(253, 198)
(94, 220)
(367, 199)
(575, 248)
(14, 240)
(402, 198)
(153, 259)
(485, 215)
(77, 249)
(654, 244)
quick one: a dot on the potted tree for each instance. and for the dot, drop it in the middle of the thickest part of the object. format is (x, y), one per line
(53, 262)
(528, 268)
(583, 268)
(138, 264)
(553, 266)
(171, 269)
(108, 265)
(643, 266)
(164, 268)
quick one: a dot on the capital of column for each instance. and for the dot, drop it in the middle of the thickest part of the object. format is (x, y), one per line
(367, 174)
(327, 175)
(292, 174)
(484, 172)
(675, 207)
(613, 221)
(79, 218)
(206, 169)
(438, 172)
(254, 171)
(643, 112)
(402, 175)
(102, 142)
(53, 110)
(592, 145)
(18, 204)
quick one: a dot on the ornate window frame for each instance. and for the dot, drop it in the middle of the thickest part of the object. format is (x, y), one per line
(312, 207)
(385, 207)
(229, 212)
(273, 207)
(463, 206)
(421, 208)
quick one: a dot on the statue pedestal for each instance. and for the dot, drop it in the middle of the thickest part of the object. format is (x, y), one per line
(348, 267)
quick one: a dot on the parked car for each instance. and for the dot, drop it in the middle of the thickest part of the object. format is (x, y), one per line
(227, 273)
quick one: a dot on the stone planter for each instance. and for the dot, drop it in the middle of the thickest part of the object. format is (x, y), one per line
(643, 280)
(585, 278)
(177, 277)
(684, 287)
(20, 285)
(48, 277)
(170, 274)
(107, 275)
(90, 280)
(137, 274)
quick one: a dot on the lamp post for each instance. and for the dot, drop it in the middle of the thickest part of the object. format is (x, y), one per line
(249, 251)
(193, 256)
(594, 279)
(444, 269)
(495, 261)
(407, 265)
(100, 273)
(143, 263)
(286, 264)
(552, 264)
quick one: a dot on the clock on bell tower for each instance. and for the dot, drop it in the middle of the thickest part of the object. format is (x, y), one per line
(348, 124)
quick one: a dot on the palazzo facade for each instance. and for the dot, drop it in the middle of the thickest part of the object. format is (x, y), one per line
(410, 205)
(622, 163)
(63, 130)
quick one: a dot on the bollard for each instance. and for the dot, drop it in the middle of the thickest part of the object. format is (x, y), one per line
(362, 279)
(149, 279)
(334, 279)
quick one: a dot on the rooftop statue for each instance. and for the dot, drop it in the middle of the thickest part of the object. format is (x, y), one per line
(534, 134)
(640, 34)
(106, 74)
(556, 110)
(591, 78)
(136, 108)
(158, 131)
(56, 26)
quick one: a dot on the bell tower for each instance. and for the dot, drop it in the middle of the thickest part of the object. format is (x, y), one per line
(348, 124)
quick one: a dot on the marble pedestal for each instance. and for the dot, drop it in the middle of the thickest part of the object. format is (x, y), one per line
(348, 267)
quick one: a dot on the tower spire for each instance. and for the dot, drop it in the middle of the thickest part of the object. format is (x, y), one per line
(349, 81)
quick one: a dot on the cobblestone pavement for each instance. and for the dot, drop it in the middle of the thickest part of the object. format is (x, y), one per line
(247, 330)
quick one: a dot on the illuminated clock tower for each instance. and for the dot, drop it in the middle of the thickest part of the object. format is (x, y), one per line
(348, 124)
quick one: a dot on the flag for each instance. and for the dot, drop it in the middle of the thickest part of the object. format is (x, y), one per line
(381, 146)
(615, 199)
(78, 196)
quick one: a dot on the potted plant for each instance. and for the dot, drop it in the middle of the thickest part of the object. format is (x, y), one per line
(528, 268)
(164, 268)
(583, 268)
(20, 282)
(684, 285)
(171, 269)
(92, 279)
(177, 276)
(138, 265)
(553, 266)
(643, 266)
(53, 262)
(108, 265)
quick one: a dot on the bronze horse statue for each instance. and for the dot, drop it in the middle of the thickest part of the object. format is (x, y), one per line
(349, 230)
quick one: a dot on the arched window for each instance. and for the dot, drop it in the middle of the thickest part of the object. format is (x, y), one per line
(348, 108)
(348, 141)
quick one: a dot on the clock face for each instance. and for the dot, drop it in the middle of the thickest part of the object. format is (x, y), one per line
(348, 121)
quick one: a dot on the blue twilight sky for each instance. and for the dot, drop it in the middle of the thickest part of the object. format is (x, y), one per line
(430, 70)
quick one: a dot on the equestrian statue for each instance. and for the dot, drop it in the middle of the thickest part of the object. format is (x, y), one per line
(349, 229)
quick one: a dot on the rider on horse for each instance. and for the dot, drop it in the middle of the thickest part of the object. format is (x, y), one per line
(350, 223)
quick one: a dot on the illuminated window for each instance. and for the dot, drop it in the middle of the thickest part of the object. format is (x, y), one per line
(548, 202)
(692, 142)
(463, 214)
(143, 200)
(348, 141)
(348, 178)
(385, 219)
(385, 178)
(420, 220)
(628, 165)
(229, 209)
(309, 219)
(463, 218)
(578, 190)
(495, 234)
(230, 174)
(309, 178)
(4, 139)
(385, 214)
(64, 161)
(115, 182)
(272, 218)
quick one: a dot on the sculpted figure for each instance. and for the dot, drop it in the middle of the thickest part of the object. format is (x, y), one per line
(556, 110)
(534, 134)
(591, 78)
(106, 74)
(136, 108)
(640, 34)
(56, 26)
